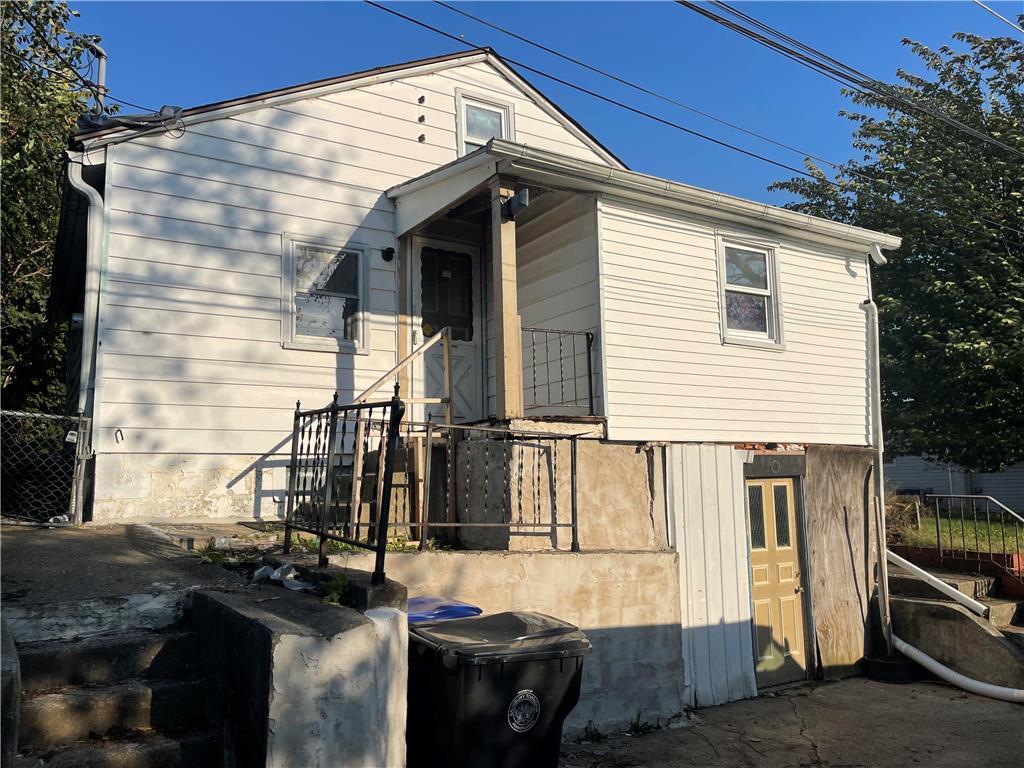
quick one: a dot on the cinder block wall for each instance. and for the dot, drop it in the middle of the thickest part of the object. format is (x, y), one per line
(626, 602)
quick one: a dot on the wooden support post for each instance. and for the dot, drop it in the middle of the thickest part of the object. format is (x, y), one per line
(508, 371)
(449, 386)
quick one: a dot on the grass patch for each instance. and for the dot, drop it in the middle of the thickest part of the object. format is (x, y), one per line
(980, 536)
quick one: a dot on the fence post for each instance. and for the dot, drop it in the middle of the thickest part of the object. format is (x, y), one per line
(425, 508)
(82, 451)
(590, 371)
(383, 514)
(292, 472)
(332, 430)
(575, 502)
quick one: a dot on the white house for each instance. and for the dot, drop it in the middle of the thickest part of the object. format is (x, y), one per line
(294, 243)
(921, 475)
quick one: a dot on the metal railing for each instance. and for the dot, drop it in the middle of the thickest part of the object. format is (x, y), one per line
(341, 475)
(43, 466)
(476, 487)
(552, 360)
(979, 528)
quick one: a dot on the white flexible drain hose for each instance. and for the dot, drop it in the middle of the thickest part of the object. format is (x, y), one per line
(1013, 695)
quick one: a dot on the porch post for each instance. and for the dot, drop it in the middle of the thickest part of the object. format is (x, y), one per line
(508, 373)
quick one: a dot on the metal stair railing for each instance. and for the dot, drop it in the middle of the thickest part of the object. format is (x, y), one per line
(980, 528)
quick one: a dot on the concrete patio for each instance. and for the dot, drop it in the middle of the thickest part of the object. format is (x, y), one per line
(851, 724)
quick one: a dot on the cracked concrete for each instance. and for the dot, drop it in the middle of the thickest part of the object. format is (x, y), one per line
(856, 723)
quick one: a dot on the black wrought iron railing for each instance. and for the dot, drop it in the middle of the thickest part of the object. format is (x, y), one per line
(558, 369)
(341, 475)
(976, 527)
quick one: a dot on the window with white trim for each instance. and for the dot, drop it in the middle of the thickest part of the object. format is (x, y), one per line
(480, 120)
(749, 294)
(323, 295)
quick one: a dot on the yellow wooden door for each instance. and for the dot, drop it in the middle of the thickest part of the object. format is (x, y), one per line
(780, 653)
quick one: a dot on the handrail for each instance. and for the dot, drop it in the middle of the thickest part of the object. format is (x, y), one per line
(993, 499)
(968, 602)
(443, 334)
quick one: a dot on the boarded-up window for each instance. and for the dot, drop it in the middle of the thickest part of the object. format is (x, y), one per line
(324, 289)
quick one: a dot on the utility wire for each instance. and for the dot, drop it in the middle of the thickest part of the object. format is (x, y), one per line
(999, 16)
(635, 86)
(461, 40)
(824, 64)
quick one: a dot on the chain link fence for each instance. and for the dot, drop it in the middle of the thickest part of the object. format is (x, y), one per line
(42, 466)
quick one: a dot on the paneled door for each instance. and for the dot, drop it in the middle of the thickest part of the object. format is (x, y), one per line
(780, 649)
(447, 291)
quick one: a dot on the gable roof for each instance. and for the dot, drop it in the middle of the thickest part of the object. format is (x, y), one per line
(354, 79)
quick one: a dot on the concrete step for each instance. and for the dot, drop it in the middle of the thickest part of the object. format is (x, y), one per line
(1003, 613)
(1014, 634)
(909, 585)
(74, 714)
(107, 659)
(145, 750)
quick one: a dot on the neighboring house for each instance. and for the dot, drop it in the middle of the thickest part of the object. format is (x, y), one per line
(298, 242)
(921, 475)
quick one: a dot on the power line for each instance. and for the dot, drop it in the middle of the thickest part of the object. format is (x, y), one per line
(999, 16)
(824, 64)
(635, 86)
(461, 40)
(595, 94)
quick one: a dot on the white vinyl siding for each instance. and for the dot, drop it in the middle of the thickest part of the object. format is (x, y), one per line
(670, 377)
(707, 501)
(556, 275)
(191, 359)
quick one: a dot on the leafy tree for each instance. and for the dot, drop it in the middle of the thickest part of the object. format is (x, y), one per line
(41, 95)
(951, 299)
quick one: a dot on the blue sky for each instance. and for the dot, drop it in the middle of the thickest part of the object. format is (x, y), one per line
(197, 52)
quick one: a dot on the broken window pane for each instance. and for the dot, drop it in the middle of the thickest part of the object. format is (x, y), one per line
(326, 292)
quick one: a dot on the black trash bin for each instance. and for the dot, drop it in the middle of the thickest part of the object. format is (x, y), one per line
(492, 691)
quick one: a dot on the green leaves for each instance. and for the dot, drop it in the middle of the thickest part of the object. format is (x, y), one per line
(950, 300)
(41, 96)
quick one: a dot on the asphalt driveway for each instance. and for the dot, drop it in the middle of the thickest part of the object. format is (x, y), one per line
(847, 724)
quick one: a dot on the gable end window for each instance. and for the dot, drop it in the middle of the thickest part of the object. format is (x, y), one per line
(479, 120)
(750, 295)
(324, 295)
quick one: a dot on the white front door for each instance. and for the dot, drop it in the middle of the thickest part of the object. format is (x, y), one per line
(447, 291)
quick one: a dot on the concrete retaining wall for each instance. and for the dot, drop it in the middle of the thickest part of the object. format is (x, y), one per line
(620, 489)
(626, 602)
(301, 684)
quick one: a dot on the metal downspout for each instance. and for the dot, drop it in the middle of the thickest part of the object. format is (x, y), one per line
(90, 309)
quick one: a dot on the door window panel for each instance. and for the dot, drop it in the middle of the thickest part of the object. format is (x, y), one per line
(447, 284)
(755, 512)
(781, 498)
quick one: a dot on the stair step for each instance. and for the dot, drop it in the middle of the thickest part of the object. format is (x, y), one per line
(909, 585)
(1004, 612)
(1014, 634)
(193, 750)
(73, 714)
(107, 659)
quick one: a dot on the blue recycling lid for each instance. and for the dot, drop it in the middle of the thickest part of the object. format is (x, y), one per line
(429, 608)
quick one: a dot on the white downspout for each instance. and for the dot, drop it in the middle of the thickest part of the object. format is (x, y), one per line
(876, 438)
(93, 258)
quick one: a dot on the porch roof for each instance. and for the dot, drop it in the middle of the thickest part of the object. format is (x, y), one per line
(428, 197)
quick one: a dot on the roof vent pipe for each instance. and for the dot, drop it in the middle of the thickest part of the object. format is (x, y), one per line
(101, 76)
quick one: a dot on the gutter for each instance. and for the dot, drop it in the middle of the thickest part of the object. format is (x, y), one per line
(93, 258)
(652, 189)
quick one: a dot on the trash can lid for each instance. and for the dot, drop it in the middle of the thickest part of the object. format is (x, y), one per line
(500, 638)
(425, 608)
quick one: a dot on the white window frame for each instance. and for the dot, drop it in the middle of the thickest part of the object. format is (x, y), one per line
(774, 338)
(289, 338)
(465, 99)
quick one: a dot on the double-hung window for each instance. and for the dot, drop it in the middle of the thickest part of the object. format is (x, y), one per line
(323, 297)
(480, 120)
(750, 296)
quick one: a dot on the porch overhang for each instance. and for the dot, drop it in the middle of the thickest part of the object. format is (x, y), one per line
(428, 197)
